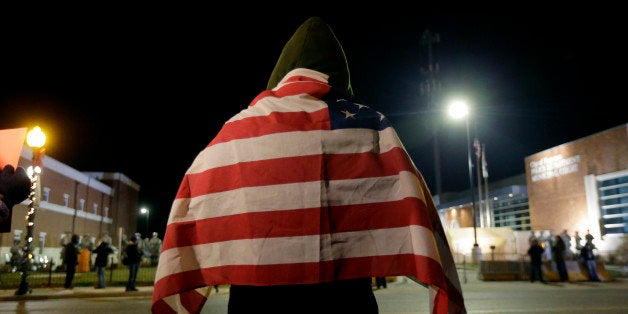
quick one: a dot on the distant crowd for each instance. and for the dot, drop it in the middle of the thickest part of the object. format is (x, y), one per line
(559, 248)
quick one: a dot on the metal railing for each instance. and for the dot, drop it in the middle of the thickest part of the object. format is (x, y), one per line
(54, 276)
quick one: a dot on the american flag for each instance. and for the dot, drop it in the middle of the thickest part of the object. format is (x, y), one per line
(302, 187)
(484, 164)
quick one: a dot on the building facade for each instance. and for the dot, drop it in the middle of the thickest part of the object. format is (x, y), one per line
(583, 186)
(92, 205)
(579, 186)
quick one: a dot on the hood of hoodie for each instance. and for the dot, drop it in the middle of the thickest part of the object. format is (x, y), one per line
(314, 46)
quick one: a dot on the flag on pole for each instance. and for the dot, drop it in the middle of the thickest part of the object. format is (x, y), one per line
(11, 143)
(484, 164)
(478, 149)
(299, 188)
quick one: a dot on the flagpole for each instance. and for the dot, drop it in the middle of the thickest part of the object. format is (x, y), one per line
(476, 253)
(489, 214)
(478, 155)
(459, 109)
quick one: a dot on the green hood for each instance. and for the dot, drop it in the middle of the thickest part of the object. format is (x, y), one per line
(314, 46)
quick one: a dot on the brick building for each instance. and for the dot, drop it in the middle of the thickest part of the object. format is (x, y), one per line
(577, 186)
(582, 185)
(89, 204)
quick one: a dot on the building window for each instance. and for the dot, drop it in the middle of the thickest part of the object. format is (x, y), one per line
(511, 211)
(106, 212)
(82, 202)
(46, 195)
(613, 199)
(95, 208)
(66, 199)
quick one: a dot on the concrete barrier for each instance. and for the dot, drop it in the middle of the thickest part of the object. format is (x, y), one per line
(520, 270)
(502, 270)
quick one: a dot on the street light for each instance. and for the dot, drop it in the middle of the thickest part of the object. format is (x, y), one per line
(36, 139)
(146, 212)
(459, 110)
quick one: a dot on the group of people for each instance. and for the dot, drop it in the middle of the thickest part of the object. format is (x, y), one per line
(132, 253)
(559, 250)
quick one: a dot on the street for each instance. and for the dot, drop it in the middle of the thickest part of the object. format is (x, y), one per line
(401, 297)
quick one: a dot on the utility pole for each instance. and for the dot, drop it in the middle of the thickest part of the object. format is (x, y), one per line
(430, 87)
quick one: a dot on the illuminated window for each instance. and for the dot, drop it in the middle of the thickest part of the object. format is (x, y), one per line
(46, 194)
(613, 199)
(512, 212)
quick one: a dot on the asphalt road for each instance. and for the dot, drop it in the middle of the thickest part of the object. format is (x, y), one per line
(400, 297)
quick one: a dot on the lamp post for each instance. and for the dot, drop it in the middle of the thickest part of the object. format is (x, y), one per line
(459, 110)
(146, 212)
(36, 140)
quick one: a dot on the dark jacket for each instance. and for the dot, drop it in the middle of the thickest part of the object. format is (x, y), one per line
(133, 253)
(559, 248)
(102, 254)
(71, 252)
(536, 252)
(586, 252)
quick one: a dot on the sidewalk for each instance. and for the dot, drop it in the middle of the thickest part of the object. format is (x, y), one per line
(77, 292)
(468, 279)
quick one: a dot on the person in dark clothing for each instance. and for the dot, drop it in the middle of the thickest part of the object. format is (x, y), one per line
(70, 259)
(134, 255)
(536, 252)
(102, 256)
(319, 253)
(588, 259)
(380, 282)
(314, 47)
(558, 253)
(347, 296)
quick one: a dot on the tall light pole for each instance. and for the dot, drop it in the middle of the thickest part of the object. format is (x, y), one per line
(146, 212)
(36, 139)
(459, 110)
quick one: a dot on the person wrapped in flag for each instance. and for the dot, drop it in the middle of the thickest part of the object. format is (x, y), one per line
(302, 198)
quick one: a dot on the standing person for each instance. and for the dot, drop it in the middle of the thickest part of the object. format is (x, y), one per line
(140, 244)
(380, 282)
(558, 250)
(154, 248)
(70, 259)
(589, 238)
(103, 250)
(106, 238)
(536, 260)
(588, 259)
(85, 253)
(134, 255)
(532, 237)
(16, 255)
(292, 200)
(567, 239)
(578, 240)
(546, 243)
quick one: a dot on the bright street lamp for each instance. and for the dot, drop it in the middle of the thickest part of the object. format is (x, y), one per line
(145, 211)
(36, 139)
(459, 110)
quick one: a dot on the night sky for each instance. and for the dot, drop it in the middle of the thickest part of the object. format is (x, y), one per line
(142, 90)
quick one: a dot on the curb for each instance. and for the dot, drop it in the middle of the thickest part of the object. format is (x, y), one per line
(58, 293)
